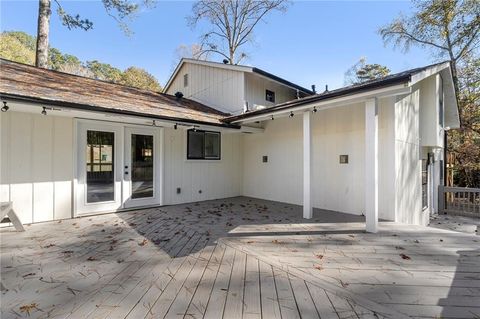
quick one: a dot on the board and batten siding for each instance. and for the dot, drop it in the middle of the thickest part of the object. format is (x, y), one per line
(37, 160)
(255, 89)
(37, 165)
(219, 88)
(201, 179)
(408, 201)
(335, 186)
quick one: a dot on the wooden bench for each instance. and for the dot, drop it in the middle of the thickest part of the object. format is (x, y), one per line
(6, 210)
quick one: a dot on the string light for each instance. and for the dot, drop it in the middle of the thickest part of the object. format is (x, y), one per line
(175, 126)
(291, 114)
(272, 118)
(44, 111)
(5, 107)
(315, 109)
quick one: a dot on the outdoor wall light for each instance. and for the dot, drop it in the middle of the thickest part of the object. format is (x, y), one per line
(175, 126)
(44, 111)
(314, 109)
(5, 107)
(272, 118)
(291, 114)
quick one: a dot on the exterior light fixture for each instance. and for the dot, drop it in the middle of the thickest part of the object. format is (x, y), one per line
(5, 107)
(175, 126)
(291, 114)
(44, 111)
(154, 123)
(314, 109)
(272, 118)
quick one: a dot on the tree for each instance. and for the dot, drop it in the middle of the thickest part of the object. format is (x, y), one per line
(119, 10)
(140, 78)
(13, 48)
(361, 72)
(104, 71)
(233, 23)
(450, 28)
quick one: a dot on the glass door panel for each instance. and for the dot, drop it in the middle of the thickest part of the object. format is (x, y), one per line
(142, 166)
(100, 166)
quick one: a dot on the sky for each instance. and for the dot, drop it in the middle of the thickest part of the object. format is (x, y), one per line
(313, 42)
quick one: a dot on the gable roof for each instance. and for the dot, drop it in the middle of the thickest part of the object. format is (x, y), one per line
(408, 77)
(236, 67)
(28, 83)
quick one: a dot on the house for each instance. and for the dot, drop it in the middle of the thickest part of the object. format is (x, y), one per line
(230, 88)
(73, 146)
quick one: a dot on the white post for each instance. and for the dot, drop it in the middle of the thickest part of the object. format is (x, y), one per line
(307, 165)
(371, 165)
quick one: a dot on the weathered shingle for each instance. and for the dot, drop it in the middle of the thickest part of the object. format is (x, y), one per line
(20, 80)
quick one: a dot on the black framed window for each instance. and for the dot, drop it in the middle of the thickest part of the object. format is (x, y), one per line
(270, 96)
(203, 145)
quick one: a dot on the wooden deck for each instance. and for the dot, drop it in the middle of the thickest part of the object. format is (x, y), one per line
(235, 258)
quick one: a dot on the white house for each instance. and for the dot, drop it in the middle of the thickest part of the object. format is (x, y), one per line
(72, 146)
(231, 88)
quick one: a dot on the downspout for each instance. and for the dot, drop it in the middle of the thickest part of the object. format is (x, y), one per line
(445, 157)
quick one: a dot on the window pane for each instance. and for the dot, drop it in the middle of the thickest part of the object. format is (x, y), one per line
(100, 166)
(195, 144)
(212, 145)
(142, 166)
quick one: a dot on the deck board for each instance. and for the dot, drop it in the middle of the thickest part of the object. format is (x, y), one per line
(236, 258)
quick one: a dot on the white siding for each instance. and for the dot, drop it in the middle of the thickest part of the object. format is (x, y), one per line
(408, 202)
(37, 165)
(255, 87)
(430, 129)
(214, 178)
(219, 88)
(335, 186)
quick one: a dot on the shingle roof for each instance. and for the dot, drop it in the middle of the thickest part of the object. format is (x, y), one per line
(56, 88)
(391, 79)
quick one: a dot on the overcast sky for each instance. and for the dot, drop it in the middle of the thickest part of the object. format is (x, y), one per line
(314, 42)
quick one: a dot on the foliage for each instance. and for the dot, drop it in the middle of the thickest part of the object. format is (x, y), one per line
(362, 71)
(20, 47)
(140, 78)
(104, 71)
(13, 48)
(450, 28)
(232, 22)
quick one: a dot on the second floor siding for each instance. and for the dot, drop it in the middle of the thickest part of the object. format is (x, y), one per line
(219, 88)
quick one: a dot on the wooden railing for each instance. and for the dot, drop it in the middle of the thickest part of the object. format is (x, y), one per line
(459, 201)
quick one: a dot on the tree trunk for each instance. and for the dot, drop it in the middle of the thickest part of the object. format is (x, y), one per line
(44, 12)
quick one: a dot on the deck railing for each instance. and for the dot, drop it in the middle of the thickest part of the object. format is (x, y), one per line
(459, 201)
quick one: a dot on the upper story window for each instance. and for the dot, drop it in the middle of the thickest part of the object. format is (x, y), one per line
(270, 96)
(203, 145)
(185, 80)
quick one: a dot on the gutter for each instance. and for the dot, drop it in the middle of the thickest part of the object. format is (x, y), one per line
(86, 107)
(295, 104)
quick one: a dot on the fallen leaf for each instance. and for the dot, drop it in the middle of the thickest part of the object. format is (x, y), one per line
(91, 258)
(405, 257)
(319, 256)
(399, 247)
(318, 267)
(28, 308)
(143, 242)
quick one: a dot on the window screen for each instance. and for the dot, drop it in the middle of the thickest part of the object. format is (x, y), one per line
(203, 145)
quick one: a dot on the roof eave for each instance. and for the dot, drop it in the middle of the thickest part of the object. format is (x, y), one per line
(403, 82)
(93, 108)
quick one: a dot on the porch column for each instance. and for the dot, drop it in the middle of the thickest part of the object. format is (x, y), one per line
(371, 165)
(307, 165)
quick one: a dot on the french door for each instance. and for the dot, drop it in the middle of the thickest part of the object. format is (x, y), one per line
(141, 173)
(117, 167)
